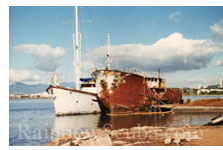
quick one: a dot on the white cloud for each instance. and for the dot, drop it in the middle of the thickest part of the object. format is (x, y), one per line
(46, 64)
(46, 57)
(219, 63)
(22, 75)
(175, 17)
(41, 50)
(169, 54)
(217, 29)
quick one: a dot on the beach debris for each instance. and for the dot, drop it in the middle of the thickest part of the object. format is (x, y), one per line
(135, 136)
(139, 143)
(168, 140)
(215, 121)
(119, 143)
(99, 140)
(177, 140)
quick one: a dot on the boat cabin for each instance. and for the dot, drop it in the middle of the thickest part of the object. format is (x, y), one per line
(155, 82)
(88, 85)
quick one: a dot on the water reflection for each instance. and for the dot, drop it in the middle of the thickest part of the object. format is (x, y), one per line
(119, 122)
(192, 118)
(74, 124)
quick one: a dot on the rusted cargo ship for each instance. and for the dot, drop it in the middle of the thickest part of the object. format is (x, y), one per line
(132, 92)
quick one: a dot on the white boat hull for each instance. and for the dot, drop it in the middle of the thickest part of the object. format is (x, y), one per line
(73, 102)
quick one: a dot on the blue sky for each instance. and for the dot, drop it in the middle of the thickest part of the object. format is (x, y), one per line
(185, 42)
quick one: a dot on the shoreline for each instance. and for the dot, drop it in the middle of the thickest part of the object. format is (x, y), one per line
(51, 98)
(186, 135)
(29, 98)
(203, 95)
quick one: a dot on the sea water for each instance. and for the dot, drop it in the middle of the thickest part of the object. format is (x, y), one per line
(33, 122)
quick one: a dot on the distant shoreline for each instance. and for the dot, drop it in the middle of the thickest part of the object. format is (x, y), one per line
(30, 98)
(202, 95)
(14, 98)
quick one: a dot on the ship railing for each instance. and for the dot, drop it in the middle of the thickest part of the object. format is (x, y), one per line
(137, 72)
(141, 73)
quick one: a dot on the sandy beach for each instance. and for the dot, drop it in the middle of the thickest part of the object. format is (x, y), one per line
(146, 136)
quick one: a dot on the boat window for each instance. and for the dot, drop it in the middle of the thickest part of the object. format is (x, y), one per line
(88, 85)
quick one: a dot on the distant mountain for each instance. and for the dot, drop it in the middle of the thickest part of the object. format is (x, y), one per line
(22, 88)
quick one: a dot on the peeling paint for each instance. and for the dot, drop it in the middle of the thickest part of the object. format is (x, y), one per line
(123, 92)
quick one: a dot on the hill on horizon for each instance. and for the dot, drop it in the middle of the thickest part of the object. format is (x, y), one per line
(22, 88)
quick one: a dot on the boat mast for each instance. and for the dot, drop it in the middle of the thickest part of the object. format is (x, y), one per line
(77, 51)
(108, 53)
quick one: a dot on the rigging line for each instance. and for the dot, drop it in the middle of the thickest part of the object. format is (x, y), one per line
(84, 47)
(72, 51)
(83, 38)
(65, 62)
(68, 62)
(82, 32)
(68, 65)
(69, 50)
(96, 29)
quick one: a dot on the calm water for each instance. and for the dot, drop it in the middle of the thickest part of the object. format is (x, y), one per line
(33, 122)
(193, 98)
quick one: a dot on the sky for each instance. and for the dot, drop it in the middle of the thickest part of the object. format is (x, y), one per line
(186, 43)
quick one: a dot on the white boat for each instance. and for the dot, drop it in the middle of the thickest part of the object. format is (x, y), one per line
(83, 99)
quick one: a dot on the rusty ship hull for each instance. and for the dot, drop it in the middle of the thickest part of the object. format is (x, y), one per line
(124, 92)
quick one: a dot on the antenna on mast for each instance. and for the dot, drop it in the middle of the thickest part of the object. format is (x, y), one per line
(108, 53)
